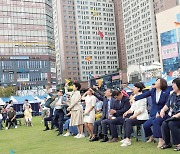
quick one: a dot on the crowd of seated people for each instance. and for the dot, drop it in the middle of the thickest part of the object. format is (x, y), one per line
(103, 112)
(100, 113)
(9, 116)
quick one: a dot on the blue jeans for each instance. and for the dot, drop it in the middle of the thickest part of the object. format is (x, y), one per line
(72, 129)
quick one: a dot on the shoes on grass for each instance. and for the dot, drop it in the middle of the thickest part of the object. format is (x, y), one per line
(80, 136)
(126, 143)
(67, 134)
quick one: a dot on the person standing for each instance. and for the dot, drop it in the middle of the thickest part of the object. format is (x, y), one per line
(59, 113)
(171, 126)
(159, 95)
(1, 118)
(26, 103)
(76, 109)
(28, 115)
(43, 109)
(89, 113)
(9, 105)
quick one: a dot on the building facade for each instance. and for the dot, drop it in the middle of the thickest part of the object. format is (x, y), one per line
(162, 5)
(118, 11)
(169, 38)
(65, 40)
(140, 32)
(140, 35)
(27, 55)
(96, 37)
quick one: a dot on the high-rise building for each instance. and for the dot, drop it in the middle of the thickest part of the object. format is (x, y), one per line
(118, 11)
(162, 5)
(85, 29)
(27, 55)
(168, 26)
(140, 32)
(65, 40)
(96, 37)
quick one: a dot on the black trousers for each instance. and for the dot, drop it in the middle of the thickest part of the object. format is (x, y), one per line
(173, 128)
(96, 126)
(105, 125)
(11, 122)
(58, 119)
(113, 126)
(46, 121)
(128, 126)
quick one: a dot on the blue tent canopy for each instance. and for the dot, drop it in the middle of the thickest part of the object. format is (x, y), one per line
(5, 99)
(21, 99)
(42, 97)
(153, 80)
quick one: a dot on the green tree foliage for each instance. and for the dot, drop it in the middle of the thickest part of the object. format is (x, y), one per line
(7, 91)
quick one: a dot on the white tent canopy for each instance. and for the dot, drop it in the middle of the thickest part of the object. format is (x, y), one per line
(13, 99)
(1, 102)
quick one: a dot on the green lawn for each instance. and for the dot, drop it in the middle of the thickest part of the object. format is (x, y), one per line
(32, 140)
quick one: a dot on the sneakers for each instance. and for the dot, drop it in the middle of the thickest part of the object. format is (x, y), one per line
(76, 136)
(6, 128)
(126, 143)
(15, 126)
(81, 136)
(67, 134)
(122, 141)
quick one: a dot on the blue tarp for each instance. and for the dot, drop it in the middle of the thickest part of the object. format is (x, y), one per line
(149, 83)
(5, 99)
(21, 99)
(42, 97)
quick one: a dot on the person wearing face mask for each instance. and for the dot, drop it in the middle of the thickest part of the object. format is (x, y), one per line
(159, 95)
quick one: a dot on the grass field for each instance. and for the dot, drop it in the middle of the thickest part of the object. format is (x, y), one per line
(32, 140)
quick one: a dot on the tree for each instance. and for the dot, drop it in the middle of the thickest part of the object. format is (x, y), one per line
(7, 91)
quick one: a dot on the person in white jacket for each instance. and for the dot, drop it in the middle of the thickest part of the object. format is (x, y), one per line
(139, 114)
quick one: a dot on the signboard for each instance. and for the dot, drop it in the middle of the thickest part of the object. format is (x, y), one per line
(169, 51)
(19, 57)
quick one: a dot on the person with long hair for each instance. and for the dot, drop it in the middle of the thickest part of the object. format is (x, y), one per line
(159, 95)
(89, 113)
(76, 109)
